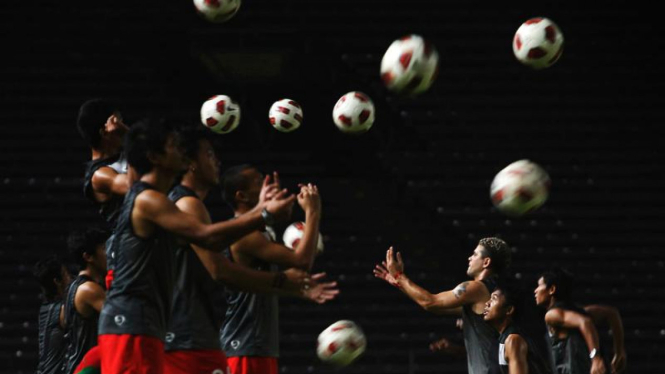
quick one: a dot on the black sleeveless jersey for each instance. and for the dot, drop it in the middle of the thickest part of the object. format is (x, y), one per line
(81, 332)
(51, 339)
(569, 355)
(109, 209)
(139, 300)
(481, 339)
(536, 363)
(197, 298)
(251, 326)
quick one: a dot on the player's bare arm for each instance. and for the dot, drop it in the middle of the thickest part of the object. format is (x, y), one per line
(607, 315)
(558, 318)
(155, 209)
(516, 353)
(107, 182)
(89, 299)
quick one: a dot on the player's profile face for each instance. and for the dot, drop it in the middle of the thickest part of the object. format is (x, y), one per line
(541, 292)
(208, 162)
(475, 262)
(494, 307)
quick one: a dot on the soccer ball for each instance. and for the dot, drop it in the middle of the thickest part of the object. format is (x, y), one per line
(519, 188)
(294, 233)
(410, 65)
(285, 115)
(217, 11)
(354, 113)
(538, 43)
(341, 343)
(220, 114)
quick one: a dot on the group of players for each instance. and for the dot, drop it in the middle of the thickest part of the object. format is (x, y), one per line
(148, 294)
(498, 338)
(147, 298)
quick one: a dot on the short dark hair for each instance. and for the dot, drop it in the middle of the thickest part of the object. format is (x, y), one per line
(145, 137)
(498, 251)
(190, 138)
(84, 241)
(45, 270)
(234, 180)
(563, 280)
(92, 117)
(513, 293)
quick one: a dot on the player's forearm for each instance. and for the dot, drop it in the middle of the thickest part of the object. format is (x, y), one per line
(222, 234)
(614, 320)
(306, 250)
(249, 280)
(415, 292)
(588, 331)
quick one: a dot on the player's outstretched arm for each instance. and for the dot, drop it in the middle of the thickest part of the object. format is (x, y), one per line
(447, 347)
(154, 208)
(516, 354)
(605, 314)
(561, 318)
(447, 302)
(90, 298)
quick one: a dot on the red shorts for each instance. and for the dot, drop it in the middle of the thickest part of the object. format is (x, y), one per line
(195, 362)
(131, 354)
(91, 362)
(252, 365)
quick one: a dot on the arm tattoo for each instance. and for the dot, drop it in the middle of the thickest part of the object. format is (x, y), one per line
(460, 290)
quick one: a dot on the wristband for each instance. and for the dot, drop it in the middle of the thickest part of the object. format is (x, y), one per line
(593, 353)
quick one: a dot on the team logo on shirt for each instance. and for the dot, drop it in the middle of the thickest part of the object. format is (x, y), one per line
(119, 319)
(235, 344)
(169, 337)
(220, 371)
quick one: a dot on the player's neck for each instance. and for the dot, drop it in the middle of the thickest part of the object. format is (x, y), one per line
(160, 179)
(550, 305)
(199, 188)
(502, 325)
(486, 273)
(242, 209)
(91, 273)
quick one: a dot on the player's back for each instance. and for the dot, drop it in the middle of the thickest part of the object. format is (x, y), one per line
(569, 355)
(81, 331)
(52, 347)
(139, 299)
(108, 209)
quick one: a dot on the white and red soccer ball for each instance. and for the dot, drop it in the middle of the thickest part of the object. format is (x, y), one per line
(285, 115)
(538, 43)
(294, 233)
(354, 113)
(519, 188)
(410, 65)
(217, 11)
(341, 343)
(220, 114)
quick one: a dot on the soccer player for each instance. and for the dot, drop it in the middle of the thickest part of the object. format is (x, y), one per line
(134, 319)
(516, 354)
(106, 180)
(572, 335)
(250, 334)
(193, 344)
(54, 280)
(86, 296)
(487, 263)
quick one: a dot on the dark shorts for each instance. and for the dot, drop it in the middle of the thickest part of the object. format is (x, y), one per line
(252, 365)
(189, 362)
(131, 354)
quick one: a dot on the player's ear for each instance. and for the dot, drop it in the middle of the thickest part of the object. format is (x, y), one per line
(87, 257)
(551, 290)
(240, 196)
(511, 310)
(487, 261)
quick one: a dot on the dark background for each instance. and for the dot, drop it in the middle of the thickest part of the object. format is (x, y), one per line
(419, 179)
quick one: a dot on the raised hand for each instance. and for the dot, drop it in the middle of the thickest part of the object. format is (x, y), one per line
(296, 280)
(394, 264)
(269, 188)
(281, 205)
(309, 198)
(381, 272)
(320, 292)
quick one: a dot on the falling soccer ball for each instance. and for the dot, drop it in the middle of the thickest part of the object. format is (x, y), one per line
(285, 115)
(220, 114)
(341, 343)
(538, 43)
(410, 65)
(519, 188)
(294, 233)
(354, 113)
(217, 11)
